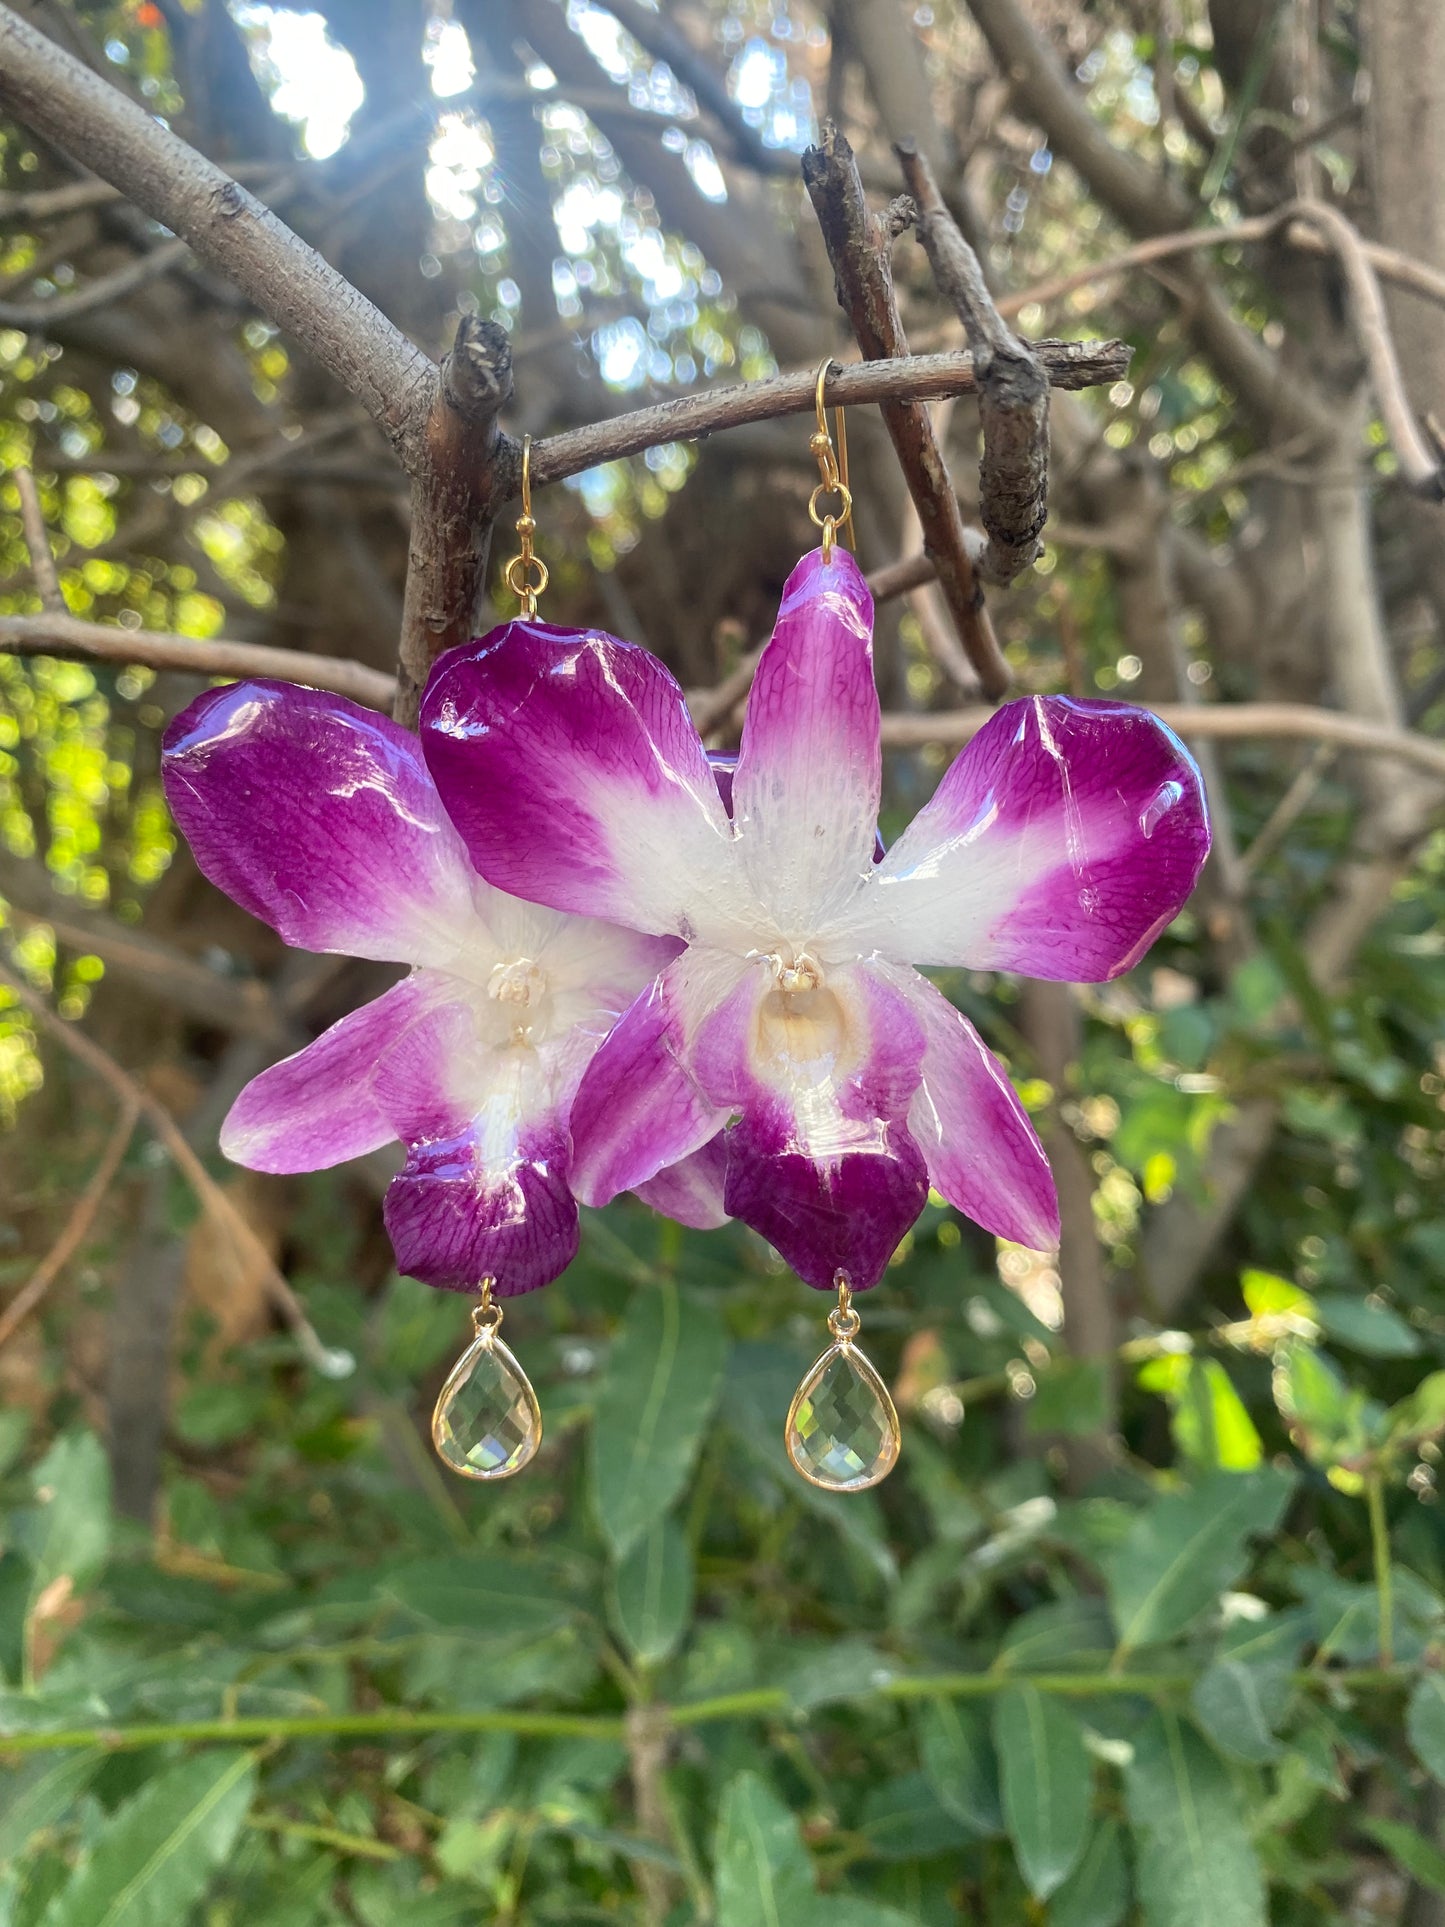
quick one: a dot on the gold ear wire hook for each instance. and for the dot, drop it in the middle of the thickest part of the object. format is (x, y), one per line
(832, 469)
(519, 571)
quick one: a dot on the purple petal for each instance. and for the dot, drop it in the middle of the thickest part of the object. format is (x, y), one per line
(397, 1068)
(983, 1153)
(809, 773)
(1064, 838)
(571, 767)
(692, 1189)
(319, 817)
(845, 1213)
(638, 1108)
(820, 1162)
(459, 1213)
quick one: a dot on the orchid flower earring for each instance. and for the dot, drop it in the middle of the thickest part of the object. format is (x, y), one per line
(322, 819)
(842, 1430)
(790, 1047)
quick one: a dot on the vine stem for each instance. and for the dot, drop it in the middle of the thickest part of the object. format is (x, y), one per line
(1384, 1570)
(762, 1702)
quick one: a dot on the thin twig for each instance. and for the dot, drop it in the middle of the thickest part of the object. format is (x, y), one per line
(100, 293)
(209, 1194)
(1287, 811)
(899, 378)
(1402, 270)
(1418, 461)
(37, 542)
(74, 639)
(750, 1703)
(858, 247)
(1013, 390)
(75, 1229)
(1203, 722)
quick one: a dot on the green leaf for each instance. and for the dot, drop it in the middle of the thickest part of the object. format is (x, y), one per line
(652, 1409)
(1421, 1415)
(762, 1874)
(851, 1910)
(1424, 1722)
(1228, 1705)
(1243, 1696)
(1047, 1785)
(1096, 1893)
(1208, 1418)
(67, 1534)
(1332, 1422)
(1373, 1329)
(1270, 1296)
(906, 1820)
(1185, 1549)
(652, 1593)
(1420, 1858)
(1195, 1864)
(477, 1591)
(157, 1852)
(34, 1796)
(958, 1757)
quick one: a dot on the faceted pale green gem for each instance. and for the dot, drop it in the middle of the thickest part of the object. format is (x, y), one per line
(487, 1423)
(842, 1429)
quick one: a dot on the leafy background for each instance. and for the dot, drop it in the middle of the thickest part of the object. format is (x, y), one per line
(1145, 1631)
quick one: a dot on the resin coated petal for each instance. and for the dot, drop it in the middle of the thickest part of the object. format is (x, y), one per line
(319, 817)
(820, 1162)
(571, 767)
(806, 790)
(1063, 839)
(691, 1191)
(638, 1108)
(982, 1151)
(847, 1211)
(385, 1071)
(464, 1209)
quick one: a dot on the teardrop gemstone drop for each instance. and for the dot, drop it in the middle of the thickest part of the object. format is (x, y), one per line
(842, 1430)
(487, 1423)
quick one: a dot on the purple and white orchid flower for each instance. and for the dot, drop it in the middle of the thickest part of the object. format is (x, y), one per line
(320, 818)
(1065, 836)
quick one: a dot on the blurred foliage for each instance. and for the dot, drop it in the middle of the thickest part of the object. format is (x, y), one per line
(659, 1677)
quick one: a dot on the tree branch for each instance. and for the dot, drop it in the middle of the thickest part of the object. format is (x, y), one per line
(209, 1194)
(37, 542)
(229, 229)
(106, 288)
(74, 640)
(454, 492)
(1418, 461)
(241, 1005)
(74, 1231)
(899, 379)
(1147, 203)
(1209, 722)
(1013, 390)
(858, 248)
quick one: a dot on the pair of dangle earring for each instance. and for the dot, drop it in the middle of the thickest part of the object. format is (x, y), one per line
(842, 1430)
